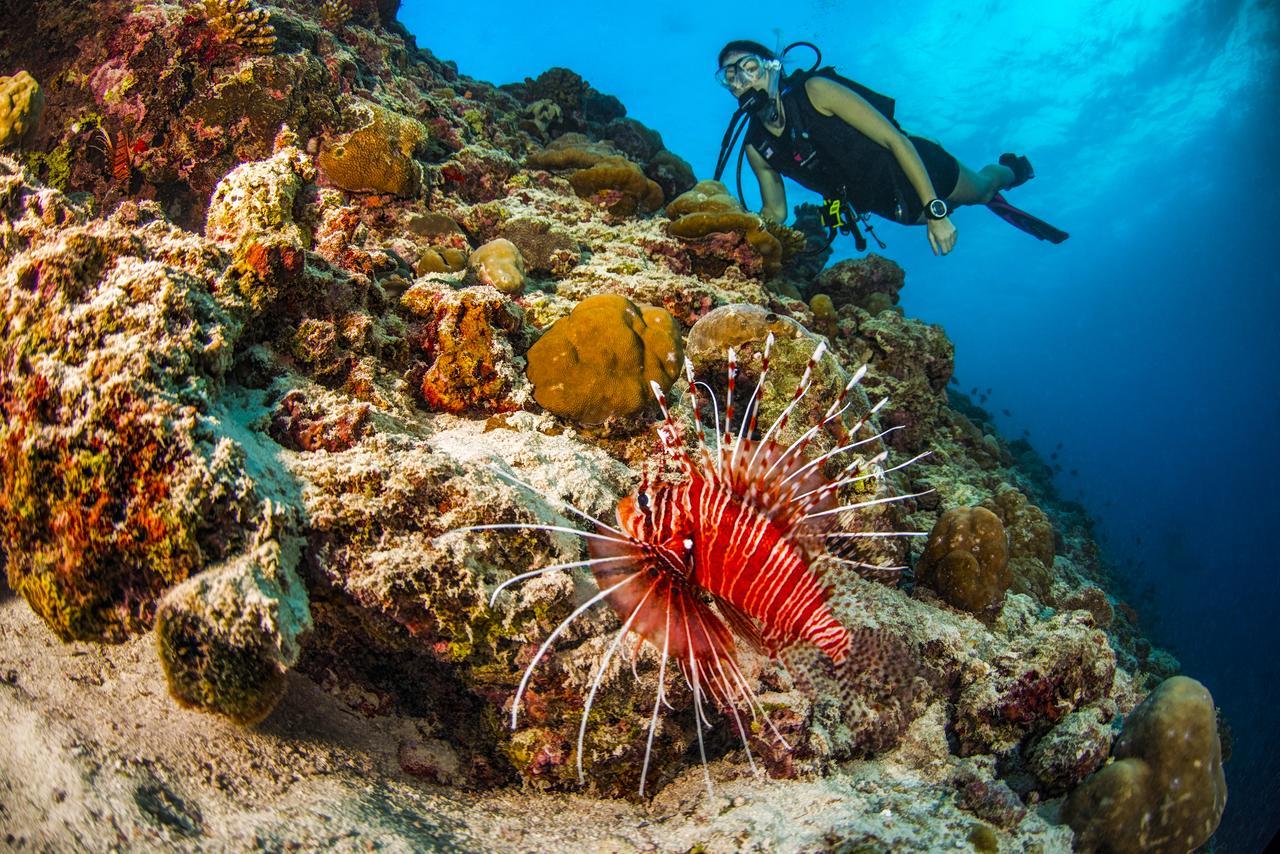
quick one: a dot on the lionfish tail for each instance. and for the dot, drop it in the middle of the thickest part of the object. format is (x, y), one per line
(874, 686)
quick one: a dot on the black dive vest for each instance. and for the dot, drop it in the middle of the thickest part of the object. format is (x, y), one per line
(825, 154)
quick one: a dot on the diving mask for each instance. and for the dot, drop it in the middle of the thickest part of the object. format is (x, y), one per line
(747, 69)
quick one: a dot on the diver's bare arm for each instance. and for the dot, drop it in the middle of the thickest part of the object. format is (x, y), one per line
(831, 99)
(773, 194)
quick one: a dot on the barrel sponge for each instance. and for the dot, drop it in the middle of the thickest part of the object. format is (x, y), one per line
(597, 362)
(622, 176)
(1165, 790)
(376, 157)
(21, 102)
(966, 561)
(499, 264)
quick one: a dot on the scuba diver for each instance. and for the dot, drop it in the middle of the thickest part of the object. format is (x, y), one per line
(839, 138)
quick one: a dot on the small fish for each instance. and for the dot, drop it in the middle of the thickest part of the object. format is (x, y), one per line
(1075, 472)
(954, 380)
(1007, 413)
(983, 398)
(1059, 446)
(973, 391)
(1054, 455)
(1026, 432)
(988, 391)
(734, 552)
(1057, 469)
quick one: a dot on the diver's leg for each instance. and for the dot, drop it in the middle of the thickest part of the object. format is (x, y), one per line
(977, 188)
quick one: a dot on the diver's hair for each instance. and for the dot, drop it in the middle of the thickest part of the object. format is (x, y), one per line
(744, 46)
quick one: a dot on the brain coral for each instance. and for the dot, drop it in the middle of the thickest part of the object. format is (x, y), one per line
(597, 362)
(1165, 790)
(378, 156)
(966, 561)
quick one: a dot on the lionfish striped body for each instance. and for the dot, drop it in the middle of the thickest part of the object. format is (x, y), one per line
(735, 551)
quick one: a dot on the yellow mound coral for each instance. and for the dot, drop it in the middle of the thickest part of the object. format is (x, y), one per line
(601, 173)
(21, 103)
(618, 175)
(704, 197)
(597, 362)
(498, 263)
(709, 209)
(571, 151)
(377, 157)
(967, 561)
(440, 260)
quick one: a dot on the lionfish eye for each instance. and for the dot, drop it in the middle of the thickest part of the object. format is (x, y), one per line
(643, 500)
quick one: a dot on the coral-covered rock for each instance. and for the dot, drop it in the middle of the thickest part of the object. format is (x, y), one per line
(1077, 746)
(499, 265)
(1041, 679)
(987, 796)
(21, 103)
(824, 314)
(477, 173)
(966, 560)
(670, 172)
(1165, 790)
(378, 156)
(115, 485)
(300, 425)
(545, 248)
(911, 363)
(856, 281)
(260, 197)
(597, 363)
(1031, 541)
(228, 635)
(467, 340)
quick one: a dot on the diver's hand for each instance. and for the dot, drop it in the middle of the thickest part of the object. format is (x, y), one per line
(942, 235)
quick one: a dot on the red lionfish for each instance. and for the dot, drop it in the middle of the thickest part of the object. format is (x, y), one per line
(734, 551)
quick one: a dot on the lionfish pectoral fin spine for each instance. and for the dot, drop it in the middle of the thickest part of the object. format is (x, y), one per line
(743, 625)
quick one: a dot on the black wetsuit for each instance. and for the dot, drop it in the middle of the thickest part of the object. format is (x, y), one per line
(827, 155)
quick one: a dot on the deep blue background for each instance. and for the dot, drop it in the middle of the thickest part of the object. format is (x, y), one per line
(1146, 344)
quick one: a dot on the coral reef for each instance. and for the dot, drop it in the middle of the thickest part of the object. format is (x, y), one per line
(267, 345)
(597, 362)
(1165, 789)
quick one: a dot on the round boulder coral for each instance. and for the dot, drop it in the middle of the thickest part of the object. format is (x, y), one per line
(597, 363)
(499, 264)
(1165, 791)
(966, 561)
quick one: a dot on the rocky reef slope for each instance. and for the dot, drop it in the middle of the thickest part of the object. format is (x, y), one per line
(287, 301)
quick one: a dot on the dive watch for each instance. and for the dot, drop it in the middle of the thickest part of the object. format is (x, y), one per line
(936, 209)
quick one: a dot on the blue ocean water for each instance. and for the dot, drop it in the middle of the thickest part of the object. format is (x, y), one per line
(1146, 344)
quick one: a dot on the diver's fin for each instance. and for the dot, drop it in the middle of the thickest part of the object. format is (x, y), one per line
(1020, 219)
(1020, 166)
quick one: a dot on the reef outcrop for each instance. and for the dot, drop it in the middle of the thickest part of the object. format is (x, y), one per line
(294, 313)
